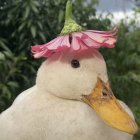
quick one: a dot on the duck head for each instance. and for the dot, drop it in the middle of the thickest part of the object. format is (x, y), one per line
(83, 76)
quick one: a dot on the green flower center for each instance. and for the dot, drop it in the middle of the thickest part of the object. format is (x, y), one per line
(70, 25)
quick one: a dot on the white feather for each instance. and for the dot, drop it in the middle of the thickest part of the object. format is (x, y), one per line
(52, 110)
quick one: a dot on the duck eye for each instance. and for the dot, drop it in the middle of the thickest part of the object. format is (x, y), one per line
(75, 63)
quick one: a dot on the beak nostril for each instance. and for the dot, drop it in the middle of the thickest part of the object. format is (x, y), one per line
(104, 94)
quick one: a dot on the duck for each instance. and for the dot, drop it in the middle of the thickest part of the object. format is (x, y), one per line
(60, 104)
(72, 97)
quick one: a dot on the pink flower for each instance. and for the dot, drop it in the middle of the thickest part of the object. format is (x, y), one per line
(76, 41)
(73, 37)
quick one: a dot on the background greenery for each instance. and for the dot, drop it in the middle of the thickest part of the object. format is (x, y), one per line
(29, 22)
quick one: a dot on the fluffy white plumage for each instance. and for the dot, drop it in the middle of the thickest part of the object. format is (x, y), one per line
(52, 109)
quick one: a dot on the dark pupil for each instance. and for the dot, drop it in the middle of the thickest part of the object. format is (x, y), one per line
(75, 63)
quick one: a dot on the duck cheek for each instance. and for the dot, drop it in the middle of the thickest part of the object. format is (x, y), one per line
(83, 84)
(77, 84)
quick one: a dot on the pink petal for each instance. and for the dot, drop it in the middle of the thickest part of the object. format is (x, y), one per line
(40, 54)
(48, 54)
(55, 44)
(98, 40)
(80, 41)
(108, 45)
(90, 42)
(96, 37)
(36, 48)
(82, 44)
(111, 41)
(77, 34)
(113, 32)
(75, 43)
(65, 42)
(49, 43)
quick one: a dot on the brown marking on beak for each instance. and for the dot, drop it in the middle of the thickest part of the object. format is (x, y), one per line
(103, 101)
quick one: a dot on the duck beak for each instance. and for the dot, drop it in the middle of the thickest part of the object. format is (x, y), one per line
(103, 101)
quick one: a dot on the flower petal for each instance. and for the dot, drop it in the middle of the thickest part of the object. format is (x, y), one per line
(75, 43)
(99, 40)
(82, 44)
(96, 37)
(110, 41)
(36, 48)
(90, 42)
(55, 44)
(39, 54)
(65, 42)
(113, 32)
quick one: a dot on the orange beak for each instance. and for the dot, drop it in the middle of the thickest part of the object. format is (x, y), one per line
(103, 101)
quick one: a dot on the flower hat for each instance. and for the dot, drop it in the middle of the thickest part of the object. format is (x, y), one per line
(74, 37)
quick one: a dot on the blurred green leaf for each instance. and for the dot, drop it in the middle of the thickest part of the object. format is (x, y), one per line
(33, 31)
(27, 12)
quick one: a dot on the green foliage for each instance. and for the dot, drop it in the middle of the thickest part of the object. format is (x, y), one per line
(29, 22)
(124, 66)
(15, 76)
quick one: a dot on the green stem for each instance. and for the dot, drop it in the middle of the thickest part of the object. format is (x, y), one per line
(68, 14)
(70, 25)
